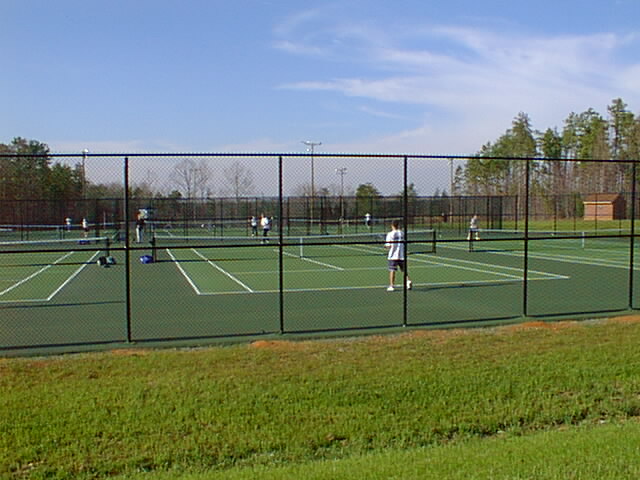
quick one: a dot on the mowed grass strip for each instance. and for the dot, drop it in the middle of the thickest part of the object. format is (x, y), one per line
(606, 452)
(297, 405)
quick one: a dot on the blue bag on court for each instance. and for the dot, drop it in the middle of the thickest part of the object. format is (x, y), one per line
(146, 259)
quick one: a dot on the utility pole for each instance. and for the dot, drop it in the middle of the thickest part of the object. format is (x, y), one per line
(85, 207)
(311, 147)
(342, 171)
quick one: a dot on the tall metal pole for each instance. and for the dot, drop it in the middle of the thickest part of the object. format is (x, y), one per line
(84, 173)
(84, 182)
(311, 146)
(451, 177)
(342, 171)
(450, 188)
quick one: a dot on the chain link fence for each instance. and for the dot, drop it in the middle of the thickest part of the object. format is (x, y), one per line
(121, 249)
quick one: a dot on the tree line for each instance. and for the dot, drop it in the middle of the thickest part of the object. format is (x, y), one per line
(33, 175)
(584, 136)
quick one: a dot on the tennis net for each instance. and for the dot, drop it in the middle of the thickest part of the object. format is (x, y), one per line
(505, 239)
(45, 232)
(56, 245)
(312, 246)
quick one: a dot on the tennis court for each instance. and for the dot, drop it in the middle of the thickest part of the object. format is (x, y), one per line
(328, 263)
(203, 287)
(30, 276)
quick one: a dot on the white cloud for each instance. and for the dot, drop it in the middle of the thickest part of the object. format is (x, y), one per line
(379, 113)
(256, 145)
(629, 80)
(483, 76)
(114, 146)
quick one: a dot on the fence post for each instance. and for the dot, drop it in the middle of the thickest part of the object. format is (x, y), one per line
(525, 283)
(405, 215)
(127, 252)
(632, 238)
(280, 246)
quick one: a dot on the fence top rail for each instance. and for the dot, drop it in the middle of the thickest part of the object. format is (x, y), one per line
(315, 155)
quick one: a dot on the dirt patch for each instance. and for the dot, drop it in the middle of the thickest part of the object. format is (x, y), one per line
(128, 352)
(527, 326)
(625, 319)
(539, 325)
(280, 345)
(439, 336)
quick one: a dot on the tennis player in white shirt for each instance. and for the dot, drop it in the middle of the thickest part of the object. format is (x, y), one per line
(394, 243)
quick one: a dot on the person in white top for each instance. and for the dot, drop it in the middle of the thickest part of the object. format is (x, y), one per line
(394, 243)
(85, 227)
(265, 222)
(140, 228)
(473, 229)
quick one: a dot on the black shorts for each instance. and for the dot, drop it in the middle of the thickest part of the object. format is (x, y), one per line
(395, 264)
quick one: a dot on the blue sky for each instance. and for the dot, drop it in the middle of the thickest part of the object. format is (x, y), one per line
(403, 76)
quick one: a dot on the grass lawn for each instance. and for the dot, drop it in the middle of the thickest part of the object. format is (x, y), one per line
(540, 400)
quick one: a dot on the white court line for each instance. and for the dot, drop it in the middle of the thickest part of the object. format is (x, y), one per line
(470, 269)
(184, 274)
(316, 270)
(460, 283)
(74, 275)
(545, 274)
(222, 270)
(561, 258)
(57, 290)
(313, 261)
(34, 274)
(511, 278)
(490, 269)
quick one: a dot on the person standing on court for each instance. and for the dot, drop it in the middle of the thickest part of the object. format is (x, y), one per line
(140, 228)
(394, 243)
(473, 229)
(367, 220)
(265, 223)
(85, 227)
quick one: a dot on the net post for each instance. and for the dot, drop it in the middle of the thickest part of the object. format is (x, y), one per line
(154, 253)
(433, 239)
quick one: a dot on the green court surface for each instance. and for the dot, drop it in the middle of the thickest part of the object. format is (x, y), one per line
(198, 288)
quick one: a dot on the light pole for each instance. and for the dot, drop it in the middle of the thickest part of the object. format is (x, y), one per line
(84, 181)
(451, 188)
(84, 173)
(342, 171)
(311, 146)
